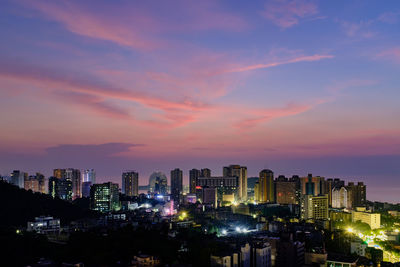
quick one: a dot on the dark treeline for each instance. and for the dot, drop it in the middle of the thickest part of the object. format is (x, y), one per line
(19, 206)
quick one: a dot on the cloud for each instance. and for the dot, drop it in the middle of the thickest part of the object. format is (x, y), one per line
(91, 92)
(287, 13)
(136, 25)
(263, 115)
(90, 150)
(83, 21)
(391, 54)
(358, 29)
(274, 64)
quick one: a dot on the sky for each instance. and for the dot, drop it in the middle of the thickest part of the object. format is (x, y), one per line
(294, 86)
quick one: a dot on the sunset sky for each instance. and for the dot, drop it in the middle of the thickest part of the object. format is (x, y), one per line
(295, 86)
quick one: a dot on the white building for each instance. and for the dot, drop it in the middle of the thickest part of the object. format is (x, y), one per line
(372, 219)
(340, 198)
(44, 225)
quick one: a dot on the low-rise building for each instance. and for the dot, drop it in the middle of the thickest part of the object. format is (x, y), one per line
(365, 216)
(44, 225)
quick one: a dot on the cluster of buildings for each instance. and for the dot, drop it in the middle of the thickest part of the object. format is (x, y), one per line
(251, 233)
(311, 197)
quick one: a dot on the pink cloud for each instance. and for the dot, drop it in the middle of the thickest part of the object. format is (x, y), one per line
(83, 22)
(358, 29)
(74, 88)
(391, 54)
(274, 64)
(135, 25)
(287, 13)
(263, 115)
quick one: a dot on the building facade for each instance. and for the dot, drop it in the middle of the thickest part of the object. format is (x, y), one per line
(176, 185)
(241, 173)
(194, 174)
(266, 192)
(130, 183)
(104, 197)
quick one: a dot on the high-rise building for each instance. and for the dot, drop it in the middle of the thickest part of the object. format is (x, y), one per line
(89, 175)
(357, 194)
(205, 172)
(59, 173)
(194, 174)
(104, 197)
(176, 186)
(226, 187)
(266, 186)
(285, 192)
(86, 189)
(241, 173)
(18, 178)
(31, 183)
(130, 183)
(36, 183)
(61, 188)
(158, 183)
(330, 184)
(340, 198)
(315, 207)
(42, 182)
(313, 185)
(73, 175)
(52, 191)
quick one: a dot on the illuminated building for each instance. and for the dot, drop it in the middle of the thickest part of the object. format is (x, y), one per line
(205, 172)
(64, 189)
(36, 183)
(89, 176)
(176, 186)
(241, 173)
(312, 185)
(59, 173)
(370, 218)
(227, 187)
(256, 191)
(130, 183)
(266, 187)
(18, 178)
(42, 182)
(44, 225)
(60, 187)
(285, 192)
(31, 183)
(104, 197)
(193, 176)
(73, 175)
(158, 183)
(315, 207)
(339, 216)
(340, 198)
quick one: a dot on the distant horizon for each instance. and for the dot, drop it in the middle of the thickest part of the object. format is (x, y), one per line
(374, 188)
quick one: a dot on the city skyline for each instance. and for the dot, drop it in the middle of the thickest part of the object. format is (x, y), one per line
(296, 87)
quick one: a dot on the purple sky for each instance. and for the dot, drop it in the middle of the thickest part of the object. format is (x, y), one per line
(295, 86)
